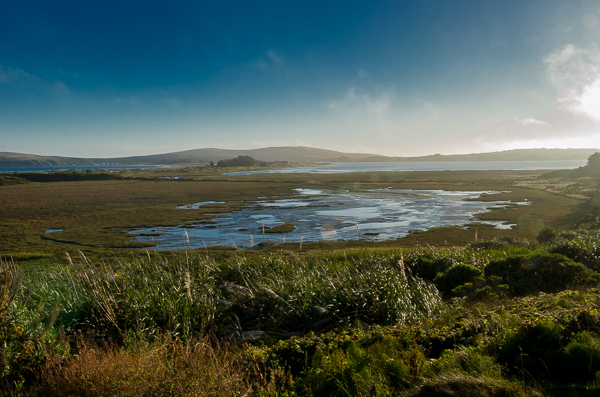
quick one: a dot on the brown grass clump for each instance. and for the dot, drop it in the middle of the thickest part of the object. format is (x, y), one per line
(159, 369)
(469, 386)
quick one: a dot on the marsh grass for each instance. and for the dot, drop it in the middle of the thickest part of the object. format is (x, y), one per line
(166, 367)
(300, 295)
(153, 295)
(27, 332)
(96, 214)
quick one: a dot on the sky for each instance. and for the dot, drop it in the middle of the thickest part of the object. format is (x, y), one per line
(400, 78)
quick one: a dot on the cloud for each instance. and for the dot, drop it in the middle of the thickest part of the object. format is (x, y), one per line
(23, 80)
(10, 75)
(575, 72)
(60, 88)
(588, 102)
(356, 104)
(272, 60)
(589, 20)
(572, 121)
(275, 58)
(173, 102)
(529, 121)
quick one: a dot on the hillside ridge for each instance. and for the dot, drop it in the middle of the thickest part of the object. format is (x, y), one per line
(293, 154)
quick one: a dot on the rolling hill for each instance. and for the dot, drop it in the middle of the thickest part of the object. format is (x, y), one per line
(288, 153)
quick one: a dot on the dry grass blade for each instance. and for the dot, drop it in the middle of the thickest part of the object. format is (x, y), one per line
(167, 368)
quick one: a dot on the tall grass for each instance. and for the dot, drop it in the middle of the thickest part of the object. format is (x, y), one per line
(153, 296)
(299, 295)
(186, 295)
(166, 367)
(27, 332)
(140, 325)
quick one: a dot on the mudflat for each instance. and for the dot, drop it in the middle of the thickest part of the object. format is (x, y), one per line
(95, 215)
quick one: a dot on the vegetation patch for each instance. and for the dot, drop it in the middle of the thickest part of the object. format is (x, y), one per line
(284, 228)
(448, 311)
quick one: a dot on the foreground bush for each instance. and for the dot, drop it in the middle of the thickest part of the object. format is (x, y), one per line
(163, 368)
(362, 322)
(583, 248)
(541, 273)
(27, 332)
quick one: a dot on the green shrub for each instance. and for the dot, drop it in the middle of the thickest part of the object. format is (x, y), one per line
(579, 361)
(456, 276)
(583, 249)
(6, 180)
(546, 235)
(465, 359)
(27, 334)
(382, 368)
(544, 272)
(428, 268)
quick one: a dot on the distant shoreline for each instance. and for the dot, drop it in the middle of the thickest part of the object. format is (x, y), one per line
(340, 167)
(292, 155)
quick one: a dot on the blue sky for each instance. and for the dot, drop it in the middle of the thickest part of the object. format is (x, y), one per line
(405, 78)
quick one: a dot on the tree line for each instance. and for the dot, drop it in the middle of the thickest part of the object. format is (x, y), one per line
(239, 161)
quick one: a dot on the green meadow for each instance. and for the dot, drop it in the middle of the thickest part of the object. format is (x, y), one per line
(469, 311)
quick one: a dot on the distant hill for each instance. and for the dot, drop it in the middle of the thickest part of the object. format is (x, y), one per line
(508, 155)
(591, 169)
(294, 154)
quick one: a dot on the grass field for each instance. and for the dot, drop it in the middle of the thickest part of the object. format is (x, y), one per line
(473, 311)
(94, 215)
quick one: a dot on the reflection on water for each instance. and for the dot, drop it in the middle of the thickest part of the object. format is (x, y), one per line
(198, 205)
(53, 231)
(318, 215)
(338, 168)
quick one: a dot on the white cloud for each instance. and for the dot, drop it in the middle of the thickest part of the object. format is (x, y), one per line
(10, 75)
(355, 104)
(530, 121)
(275, 58)
(272, 60)
(576, 74)
(588, 102)
(60, 88)
(173, 102)
(24, 80)
(589, 20)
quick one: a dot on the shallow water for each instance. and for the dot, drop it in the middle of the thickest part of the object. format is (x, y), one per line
(327, 215)
(337, 168)
(53, 231)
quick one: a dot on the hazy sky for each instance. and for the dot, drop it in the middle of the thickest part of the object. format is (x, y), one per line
(412, 77)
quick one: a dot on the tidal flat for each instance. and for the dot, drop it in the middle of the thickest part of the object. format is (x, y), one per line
(313, 215)
(97, 216)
